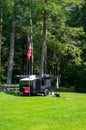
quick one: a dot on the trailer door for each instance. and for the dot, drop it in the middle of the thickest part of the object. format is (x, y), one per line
(38, 85)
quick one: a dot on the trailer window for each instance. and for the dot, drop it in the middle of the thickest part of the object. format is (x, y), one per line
(26, 83)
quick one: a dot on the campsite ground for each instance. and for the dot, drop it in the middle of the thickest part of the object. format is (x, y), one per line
(67, 112)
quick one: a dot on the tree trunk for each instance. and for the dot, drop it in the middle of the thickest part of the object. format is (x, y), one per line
(12, 42)
(44, 47)
(1, 20)
(0, 56)
(0, 44)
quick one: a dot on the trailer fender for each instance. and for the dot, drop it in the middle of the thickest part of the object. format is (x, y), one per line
(47, 92)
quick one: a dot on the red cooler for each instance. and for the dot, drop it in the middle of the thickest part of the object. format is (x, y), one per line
(26, 90)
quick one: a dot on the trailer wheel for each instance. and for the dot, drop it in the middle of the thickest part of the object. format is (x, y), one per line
(47, 92)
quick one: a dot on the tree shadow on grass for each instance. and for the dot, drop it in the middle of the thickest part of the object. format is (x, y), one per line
(71, 90)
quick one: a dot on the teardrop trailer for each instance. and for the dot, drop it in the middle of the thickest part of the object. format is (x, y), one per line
(35, 85)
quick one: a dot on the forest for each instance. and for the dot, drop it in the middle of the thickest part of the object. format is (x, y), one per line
(57, 29)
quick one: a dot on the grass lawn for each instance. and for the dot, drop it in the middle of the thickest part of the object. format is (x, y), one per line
(67, 112)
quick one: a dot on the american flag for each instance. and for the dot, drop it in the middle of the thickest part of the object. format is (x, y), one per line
(29, 52)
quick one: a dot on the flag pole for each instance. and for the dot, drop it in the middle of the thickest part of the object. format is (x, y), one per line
(31, 38)
(29, 75)
(29, 55)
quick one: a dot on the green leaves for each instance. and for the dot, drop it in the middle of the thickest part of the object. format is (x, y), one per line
(73, 53)
(66, 38)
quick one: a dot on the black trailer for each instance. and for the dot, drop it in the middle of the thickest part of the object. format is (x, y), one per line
(35, 85)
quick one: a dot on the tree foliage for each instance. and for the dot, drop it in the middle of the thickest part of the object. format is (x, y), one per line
(66, 37)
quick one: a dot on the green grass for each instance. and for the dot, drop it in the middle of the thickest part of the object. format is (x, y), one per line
(67, 112)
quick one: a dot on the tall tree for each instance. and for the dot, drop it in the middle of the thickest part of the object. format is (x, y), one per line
(1, 21)
(12, 43)
(44, 47)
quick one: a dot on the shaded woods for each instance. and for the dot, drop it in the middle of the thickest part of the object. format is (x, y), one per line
(59, 36)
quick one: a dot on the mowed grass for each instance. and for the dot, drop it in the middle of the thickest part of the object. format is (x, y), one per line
(67, 112)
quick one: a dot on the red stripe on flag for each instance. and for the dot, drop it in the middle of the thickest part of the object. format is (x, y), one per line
(29, 52)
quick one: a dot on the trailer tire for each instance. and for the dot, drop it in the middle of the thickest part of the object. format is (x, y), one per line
(47, 92)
